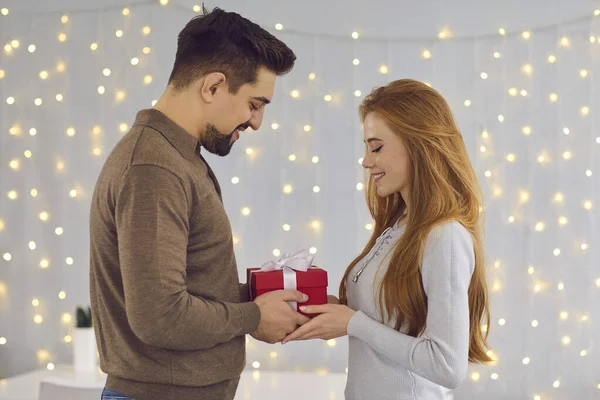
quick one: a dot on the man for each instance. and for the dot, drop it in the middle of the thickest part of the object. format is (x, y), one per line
(169, 312)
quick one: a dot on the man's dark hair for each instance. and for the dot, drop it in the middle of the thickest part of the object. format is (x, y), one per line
(220, 41)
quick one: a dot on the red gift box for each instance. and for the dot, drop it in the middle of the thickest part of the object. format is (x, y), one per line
(312, 282)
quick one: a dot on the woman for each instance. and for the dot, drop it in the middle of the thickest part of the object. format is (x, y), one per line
(413, 302)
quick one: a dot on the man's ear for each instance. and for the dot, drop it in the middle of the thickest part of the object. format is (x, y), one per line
(211, 85)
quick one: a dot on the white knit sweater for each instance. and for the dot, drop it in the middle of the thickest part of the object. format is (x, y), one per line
(387, 364)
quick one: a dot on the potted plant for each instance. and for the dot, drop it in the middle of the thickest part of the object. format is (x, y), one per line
(84, 342)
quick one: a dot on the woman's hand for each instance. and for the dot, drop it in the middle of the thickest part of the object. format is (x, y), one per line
(331, 323)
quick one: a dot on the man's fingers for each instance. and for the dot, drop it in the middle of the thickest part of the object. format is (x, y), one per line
(301, 319)
(300, 332)
(293, 295)
(316, 309)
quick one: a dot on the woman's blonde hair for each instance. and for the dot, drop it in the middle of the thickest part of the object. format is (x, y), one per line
(443, 187)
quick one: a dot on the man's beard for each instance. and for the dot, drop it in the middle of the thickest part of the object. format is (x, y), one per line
(216, 142)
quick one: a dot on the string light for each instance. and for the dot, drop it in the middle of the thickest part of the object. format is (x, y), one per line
(354, 35)
(502, 31)
(119, 96)
(426, 54)
(146, 30)
(444, 34)
(316, 225)
(513, 91)
(527, 69)
(497, 55)
(526, 35)
(279, 27)
(119, 33)
(295, 94)
(312, 76)
(292, 157)
(564, 41)
(327, 97)
(126, 11)
(468, 103)
(4, 11)
(552, 59)
(563, 315)
(307, 128)
(526, 130)
(384, 69)
(558, 198)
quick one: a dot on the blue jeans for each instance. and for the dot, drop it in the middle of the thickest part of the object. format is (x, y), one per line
(108, 395)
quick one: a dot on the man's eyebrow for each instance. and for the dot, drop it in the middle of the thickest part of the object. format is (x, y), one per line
(263, 99)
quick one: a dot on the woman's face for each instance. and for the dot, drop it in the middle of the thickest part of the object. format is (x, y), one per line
(386, 157)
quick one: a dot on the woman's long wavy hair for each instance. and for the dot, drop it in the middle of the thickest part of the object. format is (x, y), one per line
(443, 187)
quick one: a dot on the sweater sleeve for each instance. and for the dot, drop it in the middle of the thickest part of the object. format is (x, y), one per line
(440, 355)
(152, 220)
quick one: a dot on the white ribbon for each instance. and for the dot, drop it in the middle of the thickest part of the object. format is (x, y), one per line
(301, 261)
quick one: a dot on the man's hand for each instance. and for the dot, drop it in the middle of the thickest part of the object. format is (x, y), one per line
(277, 319)
(331, 299)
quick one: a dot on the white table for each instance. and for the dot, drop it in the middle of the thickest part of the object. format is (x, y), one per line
(264, 385)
